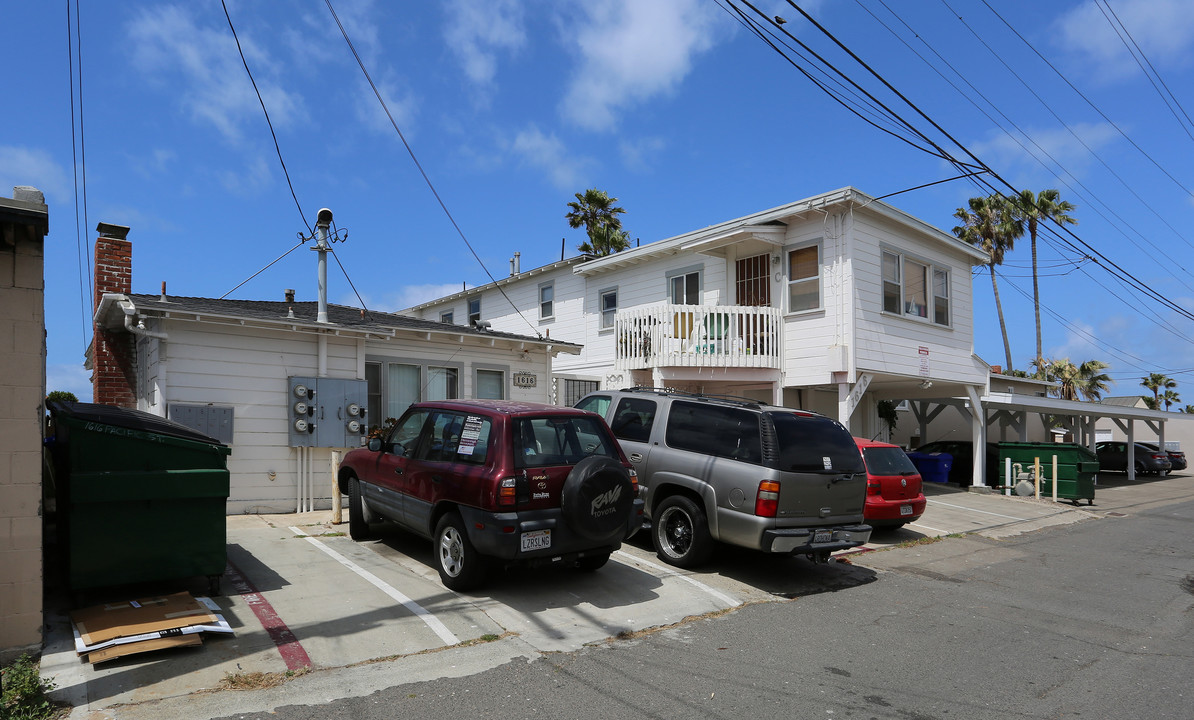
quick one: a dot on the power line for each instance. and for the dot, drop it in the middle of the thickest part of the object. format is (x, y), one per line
(1105, 262)
(419, 166)
(274, 135)
(85, 294)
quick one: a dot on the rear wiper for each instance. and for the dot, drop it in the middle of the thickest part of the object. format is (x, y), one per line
(839, 478)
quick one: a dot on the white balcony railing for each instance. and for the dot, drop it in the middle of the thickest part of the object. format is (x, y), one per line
(697, 336)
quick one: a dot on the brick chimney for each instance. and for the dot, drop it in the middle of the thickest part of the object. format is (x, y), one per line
(113, 379)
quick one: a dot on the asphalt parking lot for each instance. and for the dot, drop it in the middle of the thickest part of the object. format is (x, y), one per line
(299, 593)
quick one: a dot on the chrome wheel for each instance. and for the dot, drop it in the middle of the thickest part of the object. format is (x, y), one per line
(676, 532)
(451, 551)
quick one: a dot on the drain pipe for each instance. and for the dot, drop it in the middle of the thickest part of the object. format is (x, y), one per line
(322, 222)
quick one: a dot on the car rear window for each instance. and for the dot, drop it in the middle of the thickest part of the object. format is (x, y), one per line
(813, 443)
(560, 440)
(888, 461)
(714, 430)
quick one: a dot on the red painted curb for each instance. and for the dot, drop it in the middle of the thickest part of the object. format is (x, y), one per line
(288, 645)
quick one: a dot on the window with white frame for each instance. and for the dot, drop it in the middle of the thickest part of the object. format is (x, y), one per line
(914, 288)
(446, 317)
(393, 385)
(547, 294)
(474, 310)
(940, 296)
(491, 384)
(684, 286)
(609, 307)
(804, 278)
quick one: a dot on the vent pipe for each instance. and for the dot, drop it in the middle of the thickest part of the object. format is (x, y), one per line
(515, 264)
(323, 221)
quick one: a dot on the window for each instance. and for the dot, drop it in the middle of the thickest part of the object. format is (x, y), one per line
(403, 382)
(550, 441)
(446, 317)
(574, 390)
(609, 307)
(684, 286)
(394, 385)
(474, 310)
(712, 430)
(633, 419)
(752, 280)
(405, 437)
(804, 278)
(547, 292)
(596, 404)
(491, 384)
(912, 288)
(443, 383)
(456, 437)
(891, 282)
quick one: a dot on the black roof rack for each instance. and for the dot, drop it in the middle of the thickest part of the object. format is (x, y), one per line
(735, 399)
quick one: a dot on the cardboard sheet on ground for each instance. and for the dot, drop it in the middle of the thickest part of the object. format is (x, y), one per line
(145, 624)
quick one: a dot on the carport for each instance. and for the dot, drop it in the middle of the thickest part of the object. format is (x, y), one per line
(1009, 415)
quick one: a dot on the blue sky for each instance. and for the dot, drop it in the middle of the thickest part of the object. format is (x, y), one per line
(672, 106)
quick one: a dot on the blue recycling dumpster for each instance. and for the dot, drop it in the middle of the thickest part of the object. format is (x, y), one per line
(933, 467)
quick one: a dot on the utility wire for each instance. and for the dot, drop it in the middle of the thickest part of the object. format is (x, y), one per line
(1073, 239)
(85, 294)
(1138, 55)
(274, 135)
(422, 172)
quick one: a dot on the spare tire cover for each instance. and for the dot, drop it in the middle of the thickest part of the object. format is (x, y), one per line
(598, 498)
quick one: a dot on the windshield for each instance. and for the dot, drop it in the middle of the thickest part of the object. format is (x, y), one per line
(814, 443)
(888, 461)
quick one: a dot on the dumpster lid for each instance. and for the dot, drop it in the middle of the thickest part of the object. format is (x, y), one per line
(130, 419)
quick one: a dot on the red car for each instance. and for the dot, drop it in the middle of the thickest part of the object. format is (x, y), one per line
(893, 494)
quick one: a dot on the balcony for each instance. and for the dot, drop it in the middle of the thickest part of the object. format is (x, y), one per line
(697, 336)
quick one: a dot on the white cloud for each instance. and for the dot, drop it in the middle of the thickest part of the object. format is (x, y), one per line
(213, 87)
(250, 180)
(631, 51)
(21, 165)
(548, 153)
(1010, 158)
(476, 30)
(1164, 30)
(373, 116)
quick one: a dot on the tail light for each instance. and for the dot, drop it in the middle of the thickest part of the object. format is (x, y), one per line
(1160, 457)
(507, 492)
(633, 481)
(767, 501)
(872, 487)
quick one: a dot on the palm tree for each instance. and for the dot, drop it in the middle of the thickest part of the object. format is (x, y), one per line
(1187, 409)
(988, 224)
(595, 211)
(605, 240)
(1031, 211)
(1170, 398)
(1157, 382)
(1086, 381)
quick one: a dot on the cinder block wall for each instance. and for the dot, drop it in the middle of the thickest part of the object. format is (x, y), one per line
(23, 224)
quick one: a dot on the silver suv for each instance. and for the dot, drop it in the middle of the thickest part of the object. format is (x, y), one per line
(730, 469)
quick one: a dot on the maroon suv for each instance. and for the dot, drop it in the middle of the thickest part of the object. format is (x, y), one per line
(495, 482)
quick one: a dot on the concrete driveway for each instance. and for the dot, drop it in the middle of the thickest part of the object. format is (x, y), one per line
(300, 593)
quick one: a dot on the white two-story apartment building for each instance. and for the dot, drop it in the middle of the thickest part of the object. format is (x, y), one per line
(831, 304)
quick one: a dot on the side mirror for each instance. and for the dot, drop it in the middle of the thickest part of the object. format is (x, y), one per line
(375, 444)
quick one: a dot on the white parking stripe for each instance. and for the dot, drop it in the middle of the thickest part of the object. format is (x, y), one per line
(970, 509)
(431, 620)
(926, 527)
(659, 568)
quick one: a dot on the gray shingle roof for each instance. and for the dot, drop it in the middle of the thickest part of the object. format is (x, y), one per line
(305, 313)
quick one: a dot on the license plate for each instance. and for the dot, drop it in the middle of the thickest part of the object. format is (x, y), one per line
(905, 509)
(536, 540)
(823, 536)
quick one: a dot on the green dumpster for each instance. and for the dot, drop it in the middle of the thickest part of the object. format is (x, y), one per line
(1077, 467)
(139, 498)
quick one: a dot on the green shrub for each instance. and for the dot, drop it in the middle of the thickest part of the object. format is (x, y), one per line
(24, 694)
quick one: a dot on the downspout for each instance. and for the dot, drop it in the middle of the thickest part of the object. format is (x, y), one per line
(140, 330)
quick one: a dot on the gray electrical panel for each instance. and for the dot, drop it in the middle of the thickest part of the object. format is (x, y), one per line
(212, 420)
(326, 412)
